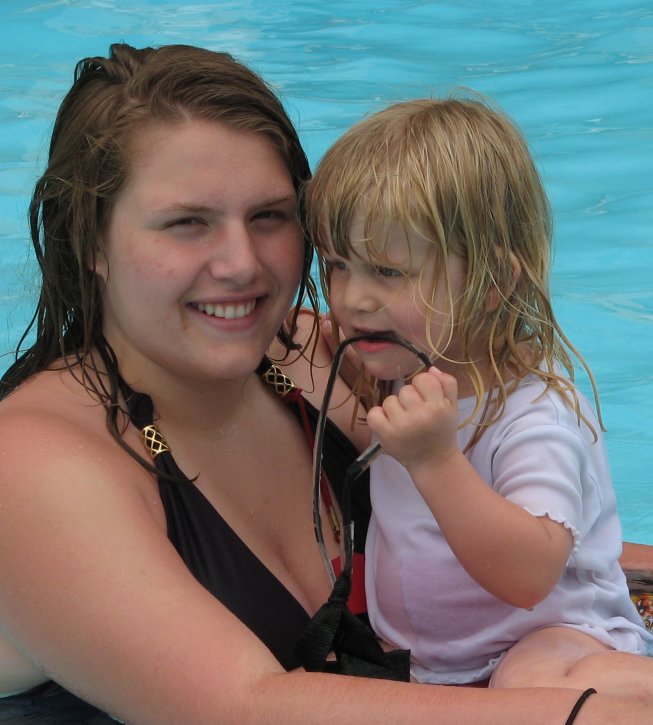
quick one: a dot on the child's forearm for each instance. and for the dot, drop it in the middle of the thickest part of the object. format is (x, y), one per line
(512, 554)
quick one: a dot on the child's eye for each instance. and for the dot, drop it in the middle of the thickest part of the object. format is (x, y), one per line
(335, 265)
(388, 272)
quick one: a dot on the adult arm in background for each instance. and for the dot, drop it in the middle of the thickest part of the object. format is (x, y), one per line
(637, 558)
(310, 369)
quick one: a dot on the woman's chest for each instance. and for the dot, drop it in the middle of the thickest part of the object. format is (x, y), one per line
(261, 486)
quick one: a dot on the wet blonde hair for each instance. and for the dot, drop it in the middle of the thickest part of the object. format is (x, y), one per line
(457, 172)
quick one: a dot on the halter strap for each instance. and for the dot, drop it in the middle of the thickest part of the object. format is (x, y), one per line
(290, 393)
(141, 414)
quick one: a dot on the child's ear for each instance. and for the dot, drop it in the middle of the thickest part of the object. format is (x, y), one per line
(493, 299)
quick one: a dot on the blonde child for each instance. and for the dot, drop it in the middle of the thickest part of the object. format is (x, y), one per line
(494, 543)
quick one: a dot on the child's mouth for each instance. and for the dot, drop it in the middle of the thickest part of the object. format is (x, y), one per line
(373, 341)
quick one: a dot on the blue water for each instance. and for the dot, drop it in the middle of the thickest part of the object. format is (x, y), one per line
(576, 75)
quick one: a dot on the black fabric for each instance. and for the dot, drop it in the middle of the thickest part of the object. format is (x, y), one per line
(335, 629)
(231, 572)
(224, 564)
(50, 704)
(357, 651)
(221, 562)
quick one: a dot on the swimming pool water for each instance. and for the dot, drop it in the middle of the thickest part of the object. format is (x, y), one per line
(576, 76)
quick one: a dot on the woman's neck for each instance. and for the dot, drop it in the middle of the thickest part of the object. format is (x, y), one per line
(185, 402)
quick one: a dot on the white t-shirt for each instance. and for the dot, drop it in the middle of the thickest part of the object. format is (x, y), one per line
(420, 597)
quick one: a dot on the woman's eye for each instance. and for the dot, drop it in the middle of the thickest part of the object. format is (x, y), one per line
(185, 222)
(272, 217)
(186, 227)
(273, 221)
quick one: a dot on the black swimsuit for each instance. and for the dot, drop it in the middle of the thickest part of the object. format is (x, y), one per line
(220, 561)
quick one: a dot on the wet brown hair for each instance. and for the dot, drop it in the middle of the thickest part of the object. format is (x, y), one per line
(110, 101)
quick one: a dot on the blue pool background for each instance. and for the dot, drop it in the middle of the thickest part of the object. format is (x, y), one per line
(576, 75)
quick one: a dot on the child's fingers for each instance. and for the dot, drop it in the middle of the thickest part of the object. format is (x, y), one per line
(448, 384)
(409, 396)
(327, 332)
(434, 386)
(376, 419)
(428, 386)
(417, 402)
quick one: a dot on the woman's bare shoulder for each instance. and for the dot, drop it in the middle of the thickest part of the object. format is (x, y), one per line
(93, 589)
(48, 400)
(53, 436)
(47, 412)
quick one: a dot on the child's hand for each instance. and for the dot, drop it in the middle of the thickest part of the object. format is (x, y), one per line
(419, 424)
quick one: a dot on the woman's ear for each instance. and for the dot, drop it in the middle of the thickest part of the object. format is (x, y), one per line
(98, 262)
(494, 296)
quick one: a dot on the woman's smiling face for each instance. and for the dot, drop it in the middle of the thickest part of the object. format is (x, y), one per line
(203, 252)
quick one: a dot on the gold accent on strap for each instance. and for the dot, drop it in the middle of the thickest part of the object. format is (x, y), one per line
(154, 440)
(278, 380)
(333, 520)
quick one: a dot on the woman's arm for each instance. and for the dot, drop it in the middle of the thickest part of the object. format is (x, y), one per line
(335, 698)
(97, 598)
(638, 559)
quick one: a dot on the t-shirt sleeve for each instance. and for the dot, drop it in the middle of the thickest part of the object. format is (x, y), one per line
(543, 463)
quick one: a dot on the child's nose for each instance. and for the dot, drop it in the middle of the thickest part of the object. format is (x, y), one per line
(359, 295)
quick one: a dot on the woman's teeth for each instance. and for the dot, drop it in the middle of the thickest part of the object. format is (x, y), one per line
(227, 312)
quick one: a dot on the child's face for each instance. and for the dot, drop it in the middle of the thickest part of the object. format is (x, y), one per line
(396, 295)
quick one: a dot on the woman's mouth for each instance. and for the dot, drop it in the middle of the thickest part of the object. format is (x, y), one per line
(227, 311)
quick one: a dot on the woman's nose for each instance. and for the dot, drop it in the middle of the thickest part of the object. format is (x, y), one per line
(234, 257)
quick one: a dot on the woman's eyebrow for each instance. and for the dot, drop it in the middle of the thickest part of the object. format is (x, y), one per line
(191, 208)
(183, 207)
(278, 200)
